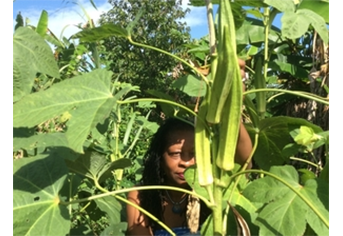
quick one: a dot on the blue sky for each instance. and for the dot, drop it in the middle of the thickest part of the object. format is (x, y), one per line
(64, 14)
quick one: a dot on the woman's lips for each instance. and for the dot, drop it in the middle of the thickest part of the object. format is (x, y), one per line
(181, 176)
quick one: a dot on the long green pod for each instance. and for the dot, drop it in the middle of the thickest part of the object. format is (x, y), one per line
(221, 85)
(260, 83)
(230, 121)
(222, 80)
(203, 146)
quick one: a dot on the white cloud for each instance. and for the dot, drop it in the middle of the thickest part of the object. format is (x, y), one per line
(64, 18)
(63, 21)
(197, 15)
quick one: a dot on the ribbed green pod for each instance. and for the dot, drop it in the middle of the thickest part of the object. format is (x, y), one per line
(203, 147)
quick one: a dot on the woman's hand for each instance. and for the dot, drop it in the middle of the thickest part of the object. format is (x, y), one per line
(242, 67)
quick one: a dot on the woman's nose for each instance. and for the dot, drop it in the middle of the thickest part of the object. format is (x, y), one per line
(187, 159)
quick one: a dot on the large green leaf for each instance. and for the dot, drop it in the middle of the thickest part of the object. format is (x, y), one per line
(252, 32)
(318, 191)
(317, 22)
(321, 7)
(284, 205)
(42, 25)
(286, 217)
(87, 98)
(111, 206)
(273, 137)
(94, 165)
(295, 24)
(31, 54)
(294, 69)
(102, 32)
(281, 5)
(191, 85)
(41, 140)
(36, 185)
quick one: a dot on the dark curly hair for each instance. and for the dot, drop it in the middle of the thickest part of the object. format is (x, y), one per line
(152, 173)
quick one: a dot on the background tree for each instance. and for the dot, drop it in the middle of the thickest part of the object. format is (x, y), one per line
(160, 25)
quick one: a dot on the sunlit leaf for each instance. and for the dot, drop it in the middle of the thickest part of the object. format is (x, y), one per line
(37, 182)
(284, 205)
(295, 24)
(318, 191)
(190, 85)
(321, 7)
(281, 5)
(306, 136)
(102, 32)
(88, 98)
(273, 137)
(31, 54)
(41, 140)
(278, 218)
(42, 26)
(317, 22)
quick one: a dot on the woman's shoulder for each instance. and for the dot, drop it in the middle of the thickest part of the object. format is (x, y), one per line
(133, 195)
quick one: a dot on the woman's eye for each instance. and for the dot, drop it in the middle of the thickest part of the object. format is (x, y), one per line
(174, 154)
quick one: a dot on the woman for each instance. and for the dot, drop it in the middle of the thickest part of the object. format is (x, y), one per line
(170, 153)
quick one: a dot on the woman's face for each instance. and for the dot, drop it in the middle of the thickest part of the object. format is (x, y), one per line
(177, 156)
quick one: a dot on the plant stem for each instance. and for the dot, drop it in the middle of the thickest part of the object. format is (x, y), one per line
(207, 202)
(158, 100)
(307, 162)
(136, 206)
(217, 211)
(237, 180)
(146, 213)
(297, 93)
(266, 34)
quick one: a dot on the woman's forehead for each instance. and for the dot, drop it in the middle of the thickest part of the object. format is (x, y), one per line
(178, 136)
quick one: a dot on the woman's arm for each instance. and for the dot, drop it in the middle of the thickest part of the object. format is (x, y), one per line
(244, 144)
(244, 147)
(136, 221)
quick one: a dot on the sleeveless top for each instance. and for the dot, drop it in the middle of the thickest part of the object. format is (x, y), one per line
(179, 231)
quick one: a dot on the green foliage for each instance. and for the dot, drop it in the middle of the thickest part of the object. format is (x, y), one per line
(79, 133)
(31, 54)
(295, 24)
(36, 201)
(321, 7)
(284, 204)
(90, 93)
(42, 26)
(156, 23)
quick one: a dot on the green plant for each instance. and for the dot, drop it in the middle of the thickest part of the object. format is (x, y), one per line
(73, 140)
